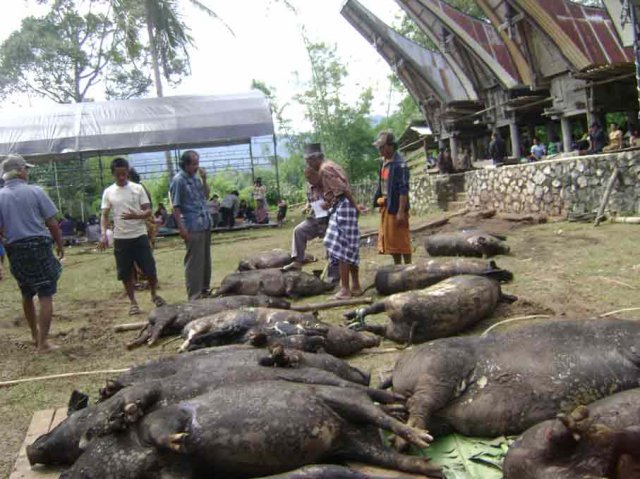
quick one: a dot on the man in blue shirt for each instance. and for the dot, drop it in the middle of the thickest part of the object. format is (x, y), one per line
(189, 199)
(27, 223)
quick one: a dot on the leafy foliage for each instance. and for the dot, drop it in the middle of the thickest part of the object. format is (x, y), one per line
(65, 53)
(344, 130)
(463, 457)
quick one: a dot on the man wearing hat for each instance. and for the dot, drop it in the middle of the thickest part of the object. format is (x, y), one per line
(28, 224)
(342, 239)
(392, 198)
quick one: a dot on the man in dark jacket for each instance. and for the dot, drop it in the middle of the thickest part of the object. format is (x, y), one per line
(497, 149)
(392, 198)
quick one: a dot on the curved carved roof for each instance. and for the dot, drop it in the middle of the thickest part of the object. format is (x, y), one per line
(423, 71)
(478, 36)
(471, 72)
(586, 36)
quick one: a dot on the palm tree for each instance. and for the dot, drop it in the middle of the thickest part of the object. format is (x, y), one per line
(168, 38)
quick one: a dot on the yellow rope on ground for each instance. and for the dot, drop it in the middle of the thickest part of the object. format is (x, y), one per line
(511, 320)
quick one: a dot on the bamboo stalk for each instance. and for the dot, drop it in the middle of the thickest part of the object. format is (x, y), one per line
(632, 220)
(120, 328)
(605, 197)
(303, 308)
(59, 376)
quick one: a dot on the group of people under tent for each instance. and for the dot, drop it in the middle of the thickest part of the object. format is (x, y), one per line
(30, 230)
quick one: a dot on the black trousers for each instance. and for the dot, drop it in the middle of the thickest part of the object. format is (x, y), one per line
(228, 218)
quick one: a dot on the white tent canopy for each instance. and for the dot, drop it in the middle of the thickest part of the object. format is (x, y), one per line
(126, 126)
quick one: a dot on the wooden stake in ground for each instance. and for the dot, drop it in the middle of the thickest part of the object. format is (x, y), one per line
(605, 197)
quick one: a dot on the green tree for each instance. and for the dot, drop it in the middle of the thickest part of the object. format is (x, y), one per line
(168, 39)
(344, 130)
(64, 54)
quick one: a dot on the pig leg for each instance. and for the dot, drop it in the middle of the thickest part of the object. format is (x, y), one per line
(434, 391)
(323, 472)
(360, 445)
(326, 378)
(361, 313)
(352, 407)
(143, 336)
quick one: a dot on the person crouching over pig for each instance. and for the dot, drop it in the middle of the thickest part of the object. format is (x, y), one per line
(342, 239)
(392, 198)
(314, 226)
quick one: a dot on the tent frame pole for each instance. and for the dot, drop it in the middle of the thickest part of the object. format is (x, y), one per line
(55, 178)
(101, 172)
(253, 173)
(275, 155)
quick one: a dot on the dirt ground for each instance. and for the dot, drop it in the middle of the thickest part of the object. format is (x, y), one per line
(560, 268)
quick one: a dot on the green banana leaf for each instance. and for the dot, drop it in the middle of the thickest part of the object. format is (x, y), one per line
(463, 457)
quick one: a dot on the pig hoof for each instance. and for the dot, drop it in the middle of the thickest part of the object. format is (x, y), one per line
(132, 412)
(175, 442)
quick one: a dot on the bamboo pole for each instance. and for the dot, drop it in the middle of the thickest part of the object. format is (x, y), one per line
(605, 197)
(59, 376)
(303, 308)
(121, 328)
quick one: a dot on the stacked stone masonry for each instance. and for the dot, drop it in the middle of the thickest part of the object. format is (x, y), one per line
(558, 187)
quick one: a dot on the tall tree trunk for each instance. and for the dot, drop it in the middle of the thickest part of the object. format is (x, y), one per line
(158, 83)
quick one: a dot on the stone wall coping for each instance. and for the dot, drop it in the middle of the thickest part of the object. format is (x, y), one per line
(560, 160)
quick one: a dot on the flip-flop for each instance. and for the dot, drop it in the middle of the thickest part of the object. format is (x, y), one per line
(339, 296)
(158, 301)
(356, 293)
(134, 310)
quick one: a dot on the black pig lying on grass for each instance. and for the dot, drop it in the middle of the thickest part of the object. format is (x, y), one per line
(504, 383)
(294, 329)
(441, 310)
(273, 282)
(398, 278)
(601, 440)
(466, 243)
(149, 386)
(249, 430)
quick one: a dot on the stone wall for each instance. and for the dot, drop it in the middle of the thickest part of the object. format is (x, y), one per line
(557, 187)
(427, 193)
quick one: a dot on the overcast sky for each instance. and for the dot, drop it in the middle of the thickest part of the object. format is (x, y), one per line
(267, 46)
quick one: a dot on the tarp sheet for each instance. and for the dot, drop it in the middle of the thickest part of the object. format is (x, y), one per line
(126, 126)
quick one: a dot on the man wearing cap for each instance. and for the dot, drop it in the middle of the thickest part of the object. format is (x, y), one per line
(392, 198)
(342, 239)
(28, 224)
(314, 226)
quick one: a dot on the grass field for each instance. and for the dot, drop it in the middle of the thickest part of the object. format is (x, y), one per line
(561, 268)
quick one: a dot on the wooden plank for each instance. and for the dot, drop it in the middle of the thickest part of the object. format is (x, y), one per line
(41, 423)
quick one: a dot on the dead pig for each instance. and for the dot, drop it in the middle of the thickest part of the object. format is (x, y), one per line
(600, 440)
(241, 325)
(170, 319)
(398, 278)
(442, 310)
(239, 431)
(185, 378)
(234, 326)
(465, 243)
(224, 357)
(504, 383)
(276, 258)
(273, 282)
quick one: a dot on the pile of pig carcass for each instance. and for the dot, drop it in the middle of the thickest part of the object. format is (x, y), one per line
(297, 411)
